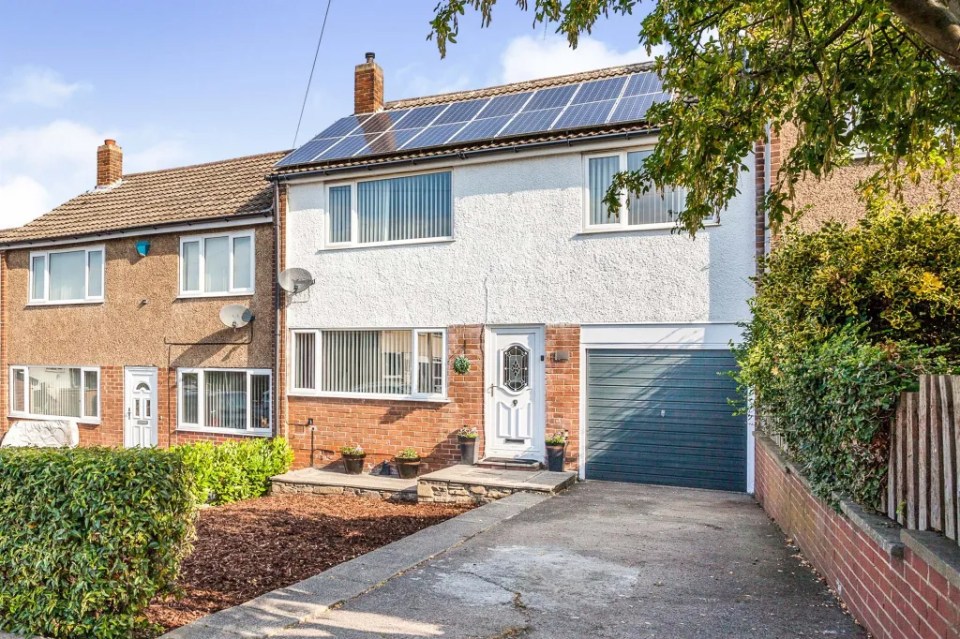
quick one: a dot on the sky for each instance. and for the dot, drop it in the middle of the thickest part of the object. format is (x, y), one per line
(180, 82)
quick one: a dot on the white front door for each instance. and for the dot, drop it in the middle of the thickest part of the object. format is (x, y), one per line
(515, 381)
(140, 408)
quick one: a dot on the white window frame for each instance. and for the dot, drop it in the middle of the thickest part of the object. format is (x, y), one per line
(26, 414)
(201, 427)
(232, 291)
(623, 223)
(87, 298)
(354, 241)
(414, 374)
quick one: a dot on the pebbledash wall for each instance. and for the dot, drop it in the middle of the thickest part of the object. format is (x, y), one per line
(140, 313)
(898, 584)
(519, 256)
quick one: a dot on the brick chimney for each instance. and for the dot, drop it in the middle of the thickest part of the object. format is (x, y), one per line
(368, 86)
(109, 163)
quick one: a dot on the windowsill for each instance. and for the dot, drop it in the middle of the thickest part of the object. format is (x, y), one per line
(618, 228)
(194, 296)
(86, 421)
(370, 245)
(373, 396)
(65, 303)
(225, 431)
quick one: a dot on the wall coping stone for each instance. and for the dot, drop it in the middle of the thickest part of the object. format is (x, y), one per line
(885, 532)
(940, 553)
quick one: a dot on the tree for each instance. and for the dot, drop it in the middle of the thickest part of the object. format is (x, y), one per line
(880, 76)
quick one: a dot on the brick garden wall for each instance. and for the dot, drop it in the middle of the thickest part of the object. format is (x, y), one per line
(892, 597)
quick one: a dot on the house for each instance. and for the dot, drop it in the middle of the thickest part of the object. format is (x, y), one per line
(465, 273)
(111, 306)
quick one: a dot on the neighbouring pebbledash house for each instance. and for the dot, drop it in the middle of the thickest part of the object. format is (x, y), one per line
(465, 273)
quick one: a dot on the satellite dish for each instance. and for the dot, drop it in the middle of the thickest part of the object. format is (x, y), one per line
(296, 280)
(236, 315)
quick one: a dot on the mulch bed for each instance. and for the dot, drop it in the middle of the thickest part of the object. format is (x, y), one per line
(246, 549)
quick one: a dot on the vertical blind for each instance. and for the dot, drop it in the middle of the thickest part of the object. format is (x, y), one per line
(18, 389)
(225, 399)
(404, 208)
(190, 398)
(260, 401)
(653, 207)
(340, 214)
(601, 172)
(367, 362)
(305, 360)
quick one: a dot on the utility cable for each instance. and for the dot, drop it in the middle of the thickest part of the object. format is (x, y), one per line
(306, 94)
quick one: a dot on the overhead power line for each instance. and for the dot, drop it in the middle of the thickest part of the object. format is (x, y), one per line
(306, 94)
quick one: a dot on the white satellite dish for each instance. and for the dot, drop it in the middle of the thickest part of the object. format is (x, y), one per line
(296, 280)
(236, 315)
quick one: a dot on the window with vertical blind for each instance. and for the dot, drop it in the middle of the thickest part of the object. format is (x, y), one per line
(67, 277)
(225, 400)
(395, 363)
(44, 392)
(220, 264)
(653, 209)
(410, 208)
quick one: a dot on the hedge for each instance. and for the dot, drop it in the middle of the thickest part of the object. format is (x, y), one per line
(235, 470)
(843, 320)
(88, 537)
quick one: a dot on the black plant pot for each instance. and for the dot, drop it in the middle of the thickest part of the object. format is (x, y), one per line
(555, 455)
(407, 468)
(468, 450)
(353, 465)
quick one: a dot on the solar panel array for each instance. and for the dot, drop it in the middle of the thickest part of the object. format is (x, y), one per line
(590, 104)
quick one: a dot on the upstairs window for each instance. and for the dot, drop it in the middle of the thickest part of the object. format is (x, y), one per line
(405, 209)
(652, 209)
(217, 265)
(67, 277)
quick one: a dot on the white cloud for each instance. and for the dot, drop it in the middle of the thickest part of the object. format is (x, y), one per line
(528, 57)
(41, 167)
(39, 86)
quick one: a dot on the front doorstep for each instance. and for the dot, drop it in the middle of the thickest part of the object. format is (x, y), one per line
(476, 485)
(330, 482)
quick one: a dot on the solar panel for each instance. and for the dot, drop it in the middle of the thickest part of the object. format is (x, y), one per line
(620, 99)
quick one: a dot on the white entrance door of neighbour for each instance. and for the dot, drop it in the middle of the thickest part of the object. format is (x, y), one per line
(140, 408)
(515, 381)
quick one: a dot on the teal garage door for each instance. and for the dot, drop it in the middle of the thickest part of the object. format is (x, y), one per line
(662, 417)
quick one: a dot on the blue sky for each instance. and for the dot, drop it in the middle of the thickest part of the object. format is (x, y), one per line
(178, 82)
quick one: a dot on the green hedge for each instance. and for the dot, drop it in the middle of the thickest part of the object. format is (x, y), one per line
(229, 472)
(88, 538)
(844, 319)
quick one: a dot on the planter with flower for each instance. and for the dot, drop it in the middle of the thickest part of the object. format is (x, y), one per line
(467, 438)
(353, 457)
(556, 451)
(408, 463)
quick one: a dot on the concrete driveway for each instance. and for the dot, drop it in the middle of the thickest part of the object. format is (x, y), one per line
(606, 560)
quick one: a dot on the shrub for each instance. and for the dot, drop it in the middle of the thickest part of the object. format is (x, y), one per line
(353, 450)
(845, 319)
(235, 470)
(408, 453)
(88, 537)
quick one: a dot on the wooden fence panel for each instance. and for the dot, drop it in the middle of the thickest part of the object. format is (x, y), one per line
(948, 428)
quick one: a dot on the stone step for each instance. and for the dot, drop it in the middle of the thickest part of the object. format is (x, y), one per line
(509, 464)
(330, 482)
(478, 485)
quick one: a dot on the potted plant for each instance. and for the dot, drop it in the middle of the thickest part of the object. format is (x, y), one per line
(353, 457)
(467, 438)
(556, 449)
(408, 463)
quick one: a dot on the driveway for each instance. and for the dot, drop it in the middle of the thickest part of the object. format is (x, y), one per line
(606, 560)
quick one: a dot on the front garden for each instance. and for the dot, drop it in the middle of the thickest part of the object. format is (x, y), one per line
(109, 544)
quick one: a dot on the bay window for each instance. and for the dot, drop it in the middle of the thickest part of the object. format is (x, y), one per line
(55, 392)
(217, 264)
(394, 363)
(653, 209)
(67, 277)
(225, 400)
(393, 210)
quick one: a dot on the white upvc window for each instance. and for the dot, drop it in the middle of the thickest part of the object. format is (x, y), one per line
(650, 210)
(225, 400)
(69, 276)
(408, 209)
(370, 363)
(55, 392)
(218, 264)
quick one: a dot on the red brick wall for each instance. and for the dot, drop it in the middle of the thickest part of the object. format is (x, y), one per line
(4, 372)
(893, 598)
(382, 427)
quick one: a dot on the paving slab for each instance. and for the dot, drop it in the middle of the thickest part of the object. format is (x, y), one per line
(364, 481)
(539, 480)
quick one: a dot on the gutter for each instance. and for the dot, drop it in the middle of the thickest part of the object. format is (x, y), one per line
(462, 155)
(264, 216)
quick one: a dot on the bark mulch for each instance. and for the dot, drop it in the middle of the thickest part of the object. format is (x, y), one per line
(246, 549)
